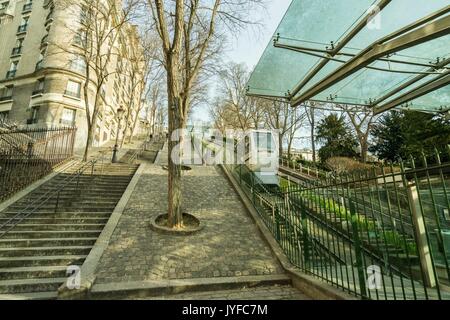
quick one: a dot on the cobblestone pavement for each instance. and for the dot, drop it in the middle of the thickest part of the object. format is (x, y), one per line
(229, 245)
(258, 293)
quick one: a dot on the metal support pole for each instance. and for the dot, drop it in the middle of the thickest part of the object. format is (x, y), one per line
(421, 235)
(358, 251)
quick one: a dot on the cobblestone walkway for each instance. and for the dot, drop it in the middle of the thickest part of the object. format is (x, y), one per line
(259, 293)
(229, 245)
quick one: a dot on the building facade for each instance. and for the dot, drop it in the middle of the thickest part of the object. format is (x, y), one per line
(42, 76)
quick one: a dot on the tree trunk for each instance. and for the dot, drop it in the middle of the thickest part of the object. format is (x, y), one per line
(87, 149)
(313, 141)
(175, 215)
(280, 145)
(364, 150)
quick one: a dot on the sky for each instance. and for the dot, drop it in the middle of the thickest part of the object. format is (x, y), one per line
(248, 46)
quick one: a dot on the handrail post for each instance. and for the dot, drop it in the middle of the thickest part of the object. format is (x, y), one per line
(304, 223)
(421, 236)
(358, 250)
(57, 201)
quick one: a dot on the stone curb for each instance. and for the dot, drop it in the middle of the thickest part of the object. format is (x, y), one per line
(165, 230)
(24, 192)
(307, 284)
(135, 289)
(89, 266)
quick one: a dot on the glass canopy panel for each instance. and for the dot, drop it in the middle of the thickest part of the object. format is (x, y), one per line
(306, 21)
(370, 84)
(313, 24)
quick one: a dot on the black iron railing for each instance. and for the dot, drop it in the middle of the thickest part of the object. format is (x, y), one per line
(27, 155)
(380, 234)
(53, 193)
(22, 28)
(16, 51)
(27, 7)
(11, 74)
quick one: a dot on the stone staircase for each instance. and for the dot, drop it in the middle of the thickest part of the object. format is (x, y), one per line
(34, 255)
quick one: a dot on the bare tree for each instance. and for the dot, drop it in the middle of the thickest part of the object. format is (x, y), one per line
(187, 29)
(92, 45)
(362, 120)
(312, 114)
(233, 109)
(287, 120)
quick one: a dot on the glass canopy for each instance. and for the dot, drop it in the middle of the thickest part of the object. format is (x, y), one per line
(381, 54)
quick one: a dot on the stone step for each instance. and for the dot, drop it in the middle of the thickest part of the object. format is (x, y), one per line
(131, 290)
(45, 295)
(45, 251)
(73, 208)
(63, 260)
(56, 226)
(33, 272)
(31, 285)
(64, 215)
(36, 234)
(72, 220)
(47, 242)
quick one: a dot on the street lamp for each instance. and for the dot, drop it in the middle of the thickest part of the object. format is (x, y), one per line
(119, 115)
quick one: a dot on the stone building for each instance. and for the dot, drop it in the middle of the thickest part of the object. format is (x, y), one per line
(42, 76)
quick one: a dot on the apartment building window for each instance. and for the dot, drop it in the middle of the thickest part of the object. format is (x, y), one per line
(12, 70)
(18, 48)
(4, 5)
(4, 115)
(78, 64)
(39, 87)
(80, 38)
(23, 25)
(68, 117)
(27, 6)
(49, 18)
(73, 89)
(34, 115)
(6, 93)
(40, 63)
(83, 15)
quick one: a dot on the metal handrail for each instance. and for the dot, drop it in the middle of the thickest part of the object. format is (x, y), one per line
(138, 152)
(19, 217)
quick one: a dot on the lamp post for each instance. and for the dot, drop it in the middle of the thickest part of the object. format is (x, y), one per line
(119, 115)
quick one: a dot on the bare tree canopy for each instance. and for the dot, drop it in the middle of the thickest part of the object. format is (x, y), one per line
(191, 34)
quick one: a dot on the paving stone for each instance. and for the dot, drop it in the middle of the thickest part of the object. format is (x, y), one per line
(229, 245)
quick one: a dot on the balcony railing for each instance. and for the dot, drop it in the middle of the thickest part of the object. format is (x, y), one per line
(39, 65)
(72, 94)
(16, 51)
(6, 98)
(11, 74)
(49, 18)
(32, 121)
(27, 7)
(65, 122)
(44, 40)
(38, 91)
(22, 28)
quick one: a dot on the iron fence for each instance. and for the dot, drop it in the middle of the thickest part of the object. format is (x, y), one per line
(377, 234)
(27, 155)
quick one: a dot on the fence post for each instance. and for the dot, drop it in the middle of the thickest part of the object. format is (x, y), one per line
(421, 235)
(358, 250)
(57, 201)
(306, 253)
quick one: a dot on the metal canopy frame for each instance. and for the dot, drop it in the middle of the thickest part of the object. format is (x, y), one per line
(393, 43)
(424, 30)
